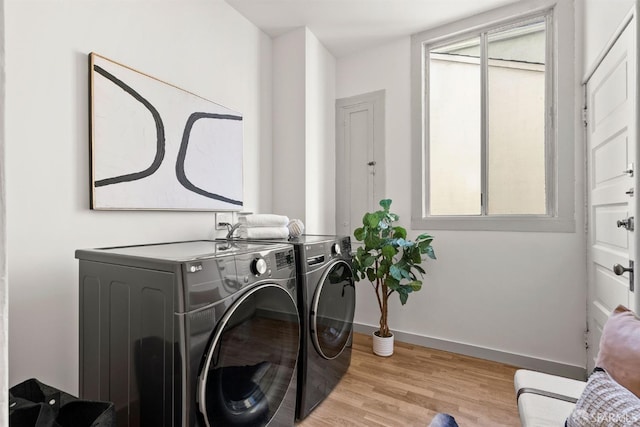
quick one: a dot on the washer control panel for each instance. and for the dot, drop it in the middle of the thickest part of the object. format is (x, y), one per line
(284, 259)
(272, 264)
(259, 266)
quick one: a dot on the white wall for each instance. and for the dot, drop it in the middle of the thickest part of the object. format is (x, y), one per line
(289, 148)
(304, 130)
(4, 288)
(202, 46)
(320, 157)
(518, 293)
(600, 18)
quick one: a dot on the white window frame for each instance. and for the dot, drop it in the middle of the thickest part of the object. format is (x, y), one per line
(559, 123)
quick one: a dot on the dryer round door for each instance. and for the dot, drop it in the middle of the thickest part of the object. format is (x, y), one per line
(251, 359)
(332, 310)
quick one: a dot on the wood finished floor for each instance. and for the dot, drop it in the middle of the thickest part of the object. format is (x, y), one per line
(410, 387)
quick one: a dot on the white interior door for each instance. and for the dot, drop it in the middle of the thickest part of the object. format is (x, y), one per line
(612, 182)
(359, 159)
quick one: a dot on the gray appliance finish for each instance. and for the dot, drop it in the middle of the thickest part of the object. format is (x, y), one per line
(326, 300)
(190, 334)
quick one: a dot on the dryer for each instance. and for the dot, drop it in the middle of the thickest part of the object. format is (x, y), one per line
(326, 300)
(190, 334)
(326, 295)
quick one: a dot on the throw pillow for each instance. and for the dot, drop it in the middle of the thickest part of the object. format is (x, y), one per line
(605, 403)
(619, 352)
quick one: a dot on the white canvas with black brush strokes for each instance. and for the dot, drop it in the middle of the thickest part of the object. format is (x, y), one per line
(155, 146)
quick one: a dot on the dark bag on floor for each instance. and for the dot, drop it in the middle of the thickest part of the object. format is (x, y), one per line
(34, 404)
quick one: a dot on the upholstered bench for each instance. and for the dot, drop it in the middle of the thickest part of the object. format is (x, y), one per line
(545, 400)
(611, 396)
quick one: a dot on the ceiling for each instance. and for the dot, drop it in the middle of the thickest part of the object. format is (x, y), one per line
(348, 26)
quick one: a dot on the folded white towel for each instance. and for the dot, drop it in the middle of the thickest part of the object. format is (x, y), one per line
(264, 220)
(263, 232)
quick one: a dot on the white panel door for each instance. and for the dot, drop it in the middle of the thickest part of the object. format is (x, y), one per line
(611, 158)
(359, 159)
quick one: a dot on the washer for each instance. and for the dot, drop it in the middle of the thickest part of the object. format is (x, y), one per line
(326, 299)
(196, 333)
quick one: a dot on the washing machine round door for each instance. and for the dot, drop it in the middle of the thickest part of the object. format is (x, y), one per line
(251, 359)
(332, 310)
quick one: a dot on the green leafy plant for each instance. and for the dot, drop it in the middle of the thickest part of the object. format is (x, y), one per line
(389, 261)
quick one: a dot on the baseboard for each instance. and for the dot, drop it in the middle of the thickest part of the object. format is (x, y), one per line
(520, 361)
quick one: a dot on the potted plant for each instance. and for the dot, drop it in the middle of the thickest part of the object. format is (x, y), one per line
(391, 263)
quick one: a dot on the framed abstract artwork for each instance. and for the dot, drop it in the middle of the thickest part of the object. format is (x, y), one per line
(155, 146)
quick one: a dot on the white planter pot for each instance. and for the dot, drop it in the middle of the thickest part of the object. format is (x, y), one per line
(382, 346)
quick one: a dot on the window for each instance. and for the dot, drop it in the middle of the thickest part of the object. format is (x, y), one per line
(484, 127)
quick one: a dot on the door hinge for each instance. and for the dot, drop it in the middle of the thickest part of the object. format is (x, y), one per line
(586, 338)
(585, 116)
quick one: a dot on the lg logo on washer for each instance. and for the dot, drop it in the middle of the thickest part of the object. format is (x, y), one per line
(155, 146)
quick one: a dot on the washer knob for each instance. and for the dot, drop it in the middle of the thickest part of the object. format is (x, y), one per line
(259, 266)
(335, 249)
